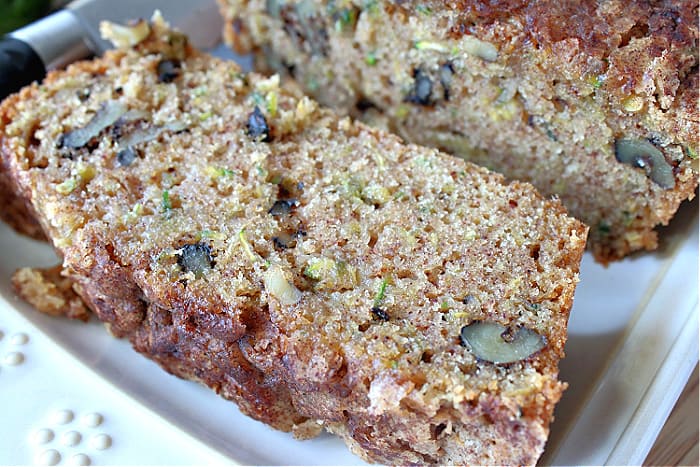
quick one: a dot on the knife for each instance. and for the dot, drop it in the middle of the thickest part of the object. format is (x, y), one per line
(73, 33)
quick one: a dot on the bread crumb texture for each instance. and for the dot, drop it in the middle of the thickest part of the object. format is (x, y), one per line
(314, 270)
(593, 102)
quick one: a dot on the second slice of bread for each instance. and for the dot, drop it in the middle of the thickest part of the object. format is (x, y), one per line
(594, 102)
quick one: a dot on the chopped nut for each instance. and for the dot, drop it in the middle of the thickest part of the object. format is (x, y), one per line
(126, 156)
(282, 207)
(195, 258)
(282, 241)
(151, 132)
(106, 116)
(422, 88)
(499, 344)
(279, 287)
(168, 70)
(642, 154)
(257, 127)
(380, 313)
(125, 36)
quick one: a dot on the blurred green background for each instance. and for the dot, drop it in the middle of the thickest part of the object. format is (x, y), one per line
(16, 13)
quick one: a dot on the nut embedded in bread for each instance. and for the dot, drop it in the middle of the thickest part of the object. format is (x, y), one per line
(594, 102)
(316, 271)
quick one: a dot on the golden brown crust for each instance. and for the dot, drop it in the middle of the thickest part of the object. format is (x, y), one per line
(254, 264)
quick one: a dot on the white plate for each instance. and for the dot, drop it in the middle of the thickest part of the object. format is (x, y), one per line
(633, 341)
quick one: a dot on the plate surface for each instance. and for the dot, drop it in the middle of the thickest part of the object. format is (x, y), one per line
(72, 394)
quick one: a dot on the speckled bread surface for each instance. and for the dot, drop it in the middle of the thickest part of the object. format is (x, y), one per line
(316, 271)
(595, 102)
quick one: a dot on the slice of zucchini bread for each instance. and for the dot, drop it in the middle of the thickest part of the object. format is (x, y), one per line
(318, 272)
(596, 102)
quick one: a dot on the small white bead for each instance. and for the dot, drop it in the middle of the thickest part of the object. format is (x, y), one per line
(14, 358)
(71, 438)
(101, 441)
(61, 417)
(48, 457)
(92, 420)
(19, 339)
(79, 459)
(42, 436)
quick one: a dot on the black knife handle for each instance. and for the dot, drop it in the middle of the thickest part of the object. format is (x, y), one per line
(19, 65)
